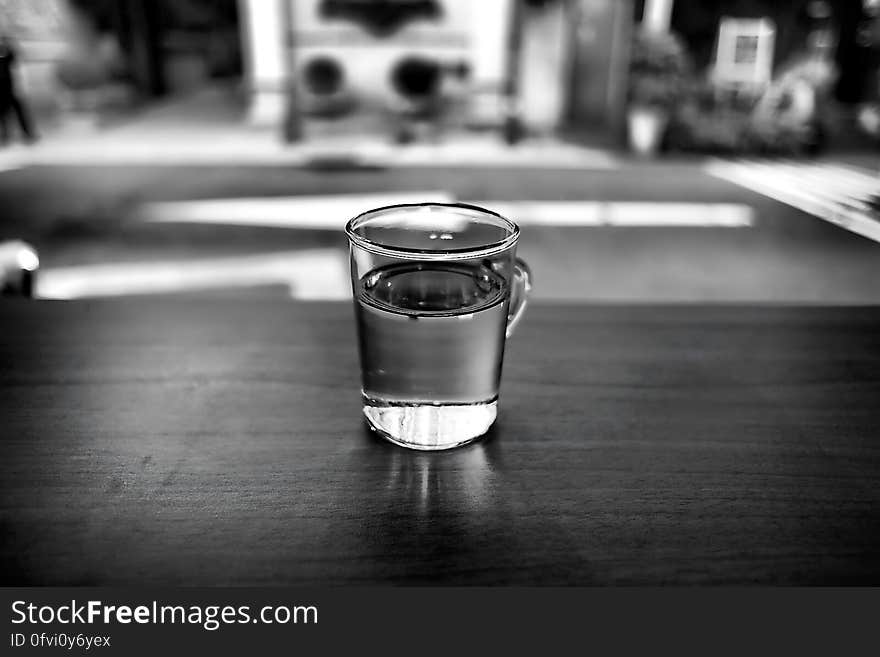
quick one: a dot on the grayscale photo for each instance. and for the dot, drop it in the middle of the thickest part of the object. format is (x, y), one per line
(434, 293)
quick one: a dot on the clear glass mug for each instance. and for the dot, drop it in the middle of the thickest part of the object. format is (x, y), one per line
(437, 290)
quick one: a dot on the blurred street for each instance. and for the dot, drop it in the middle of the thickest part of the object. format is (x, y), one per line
(228, 161)
(603, 233)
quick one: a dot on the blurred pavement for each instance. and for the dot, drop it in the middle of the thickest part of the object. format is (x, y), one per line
(207, 128)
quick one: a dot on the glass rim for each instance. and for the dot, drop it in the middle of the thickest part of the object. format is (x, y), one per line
(433, 254)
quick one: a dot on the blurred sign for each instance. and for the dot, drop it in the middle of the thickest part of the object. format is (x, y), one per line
(744, 53)
(381, 17)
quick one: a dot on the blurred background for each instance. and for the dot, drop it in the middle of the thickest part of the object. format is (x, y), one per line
(652, 150)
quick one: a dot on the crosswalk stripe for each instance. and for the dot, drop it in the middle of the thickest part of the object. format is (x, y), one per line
(310, 274)
(323, 273)
(824, 177)
(857, 181)
(786, 186)
(810, 182)
(835, 193)
(9, 165)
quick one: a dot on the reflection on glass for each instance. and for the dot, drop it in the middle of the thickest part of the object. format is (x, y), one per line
(460, 483)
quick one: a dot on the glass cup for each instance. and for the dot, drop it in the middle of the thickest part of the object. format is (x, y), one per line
(437, 290)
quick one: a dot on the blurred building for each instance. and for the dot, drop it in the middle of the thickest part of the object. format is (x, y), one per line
(552, 62)
(842, 27)
(40, 29)
(85, 52)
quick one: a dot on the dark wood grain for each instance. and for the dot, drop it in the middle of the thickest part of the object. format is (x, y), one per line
(220, 442)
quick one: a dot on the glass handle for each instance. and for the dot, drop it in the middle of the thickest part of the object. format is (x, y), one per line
(522, 285)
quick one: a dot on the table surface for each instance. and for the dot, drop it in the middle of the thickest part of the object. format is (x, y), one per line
(199, 441)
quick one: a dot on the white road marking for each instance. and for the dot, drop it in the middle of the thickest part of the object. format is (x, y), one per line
(323, 273)
(319, 212)
(856, 180)
(310, 274)
(623, 213)
(830, 182)
(835, 193)
(331, 212)
(9, 162)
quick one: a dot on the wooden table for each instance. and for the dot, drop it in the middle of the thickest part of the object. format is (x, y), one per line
(183, 441)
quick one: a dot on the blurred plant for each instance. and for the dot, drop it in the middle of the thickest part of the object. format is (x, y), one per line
(707, 120)
(789, 117)
(658, 68)
(785, 118)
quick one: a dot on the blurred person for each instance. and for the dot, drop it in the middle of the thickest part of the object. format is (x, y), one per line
(9, 100)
